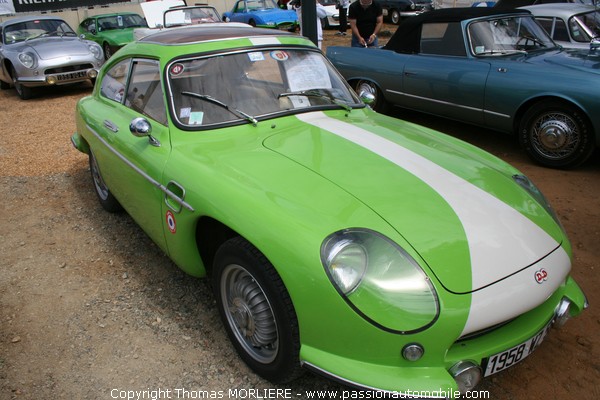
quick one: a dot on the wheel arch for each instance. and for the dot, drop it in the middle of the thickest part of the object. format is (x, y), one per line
(210, 235)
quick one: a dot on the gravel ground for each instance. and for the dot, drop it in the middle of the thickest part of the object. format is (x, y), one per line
(89, 305)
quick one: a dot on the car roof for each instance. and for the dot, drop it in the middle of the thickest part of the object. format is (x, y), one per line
(408, 35)
(29, 18)
(563, 10)
(207, 32)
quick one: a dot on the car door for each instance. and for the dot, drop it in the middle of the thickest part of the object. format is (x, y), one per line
(442, 79)
(132, 166)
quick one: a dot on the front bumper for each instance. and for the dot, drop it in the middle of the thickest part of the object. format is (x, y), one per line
(433, 379)
(59, 77)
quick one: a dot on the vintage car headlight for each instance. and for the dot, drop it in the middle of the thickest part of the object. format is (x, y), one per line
(526, 184)
(28, 59)
(380, 280)
(96, 51)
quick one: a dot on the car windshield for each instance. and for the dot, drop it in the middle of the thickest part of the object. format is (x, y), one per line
(252, 5)
(120, 22)
(250, 86)
(507, 35)
(585, 27)
(191, 16)
(22, 31)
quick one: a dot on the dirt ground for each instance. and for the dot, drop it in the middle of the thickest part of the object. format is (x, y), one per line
(90, 308)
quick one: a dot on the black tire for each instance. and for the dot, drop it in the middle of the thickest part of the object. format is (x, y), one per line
(556, 134)
(252, 23)
(24, 92)
(4, 85)
(107, 51)
(395, 17)
(107, 200)
(257, 311)
(380, 104)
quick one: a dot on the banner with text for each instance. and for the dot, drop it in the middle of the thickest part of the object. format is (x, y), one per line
(49, 5)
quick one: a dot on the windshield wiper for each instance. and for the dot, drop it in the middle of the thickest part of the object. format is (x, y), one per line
(316, 93)
(234, 111)
(500, 52)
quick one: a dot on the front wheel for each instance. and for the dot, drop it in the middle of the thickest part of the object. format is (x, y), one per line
(24, 92)
(107, 51)
(379, 104)
(395, 17)
(556, 134)
(257, 311)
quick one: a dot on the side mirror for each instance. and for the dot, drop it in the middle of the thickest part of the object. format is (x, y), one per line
(366, 97)
(140, 127)
(594, 44)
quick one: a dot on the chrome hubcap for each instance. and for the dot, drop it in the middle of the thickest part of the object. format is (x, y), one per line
(555, 135)
(249, 314)
(98, 182)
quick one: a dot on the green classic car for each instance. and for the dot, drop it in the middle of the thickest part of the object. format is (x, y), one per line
(111, 31)
(376, 252)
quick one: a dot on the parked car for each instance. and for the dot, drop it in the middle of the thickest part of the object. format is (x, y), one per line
(263, 14)
(176, 17)
(395, 10)
(111, 31)
(44, 51)
(333, 15)
(569, 25)
(494, 68)
(508, 4)
(357, 245)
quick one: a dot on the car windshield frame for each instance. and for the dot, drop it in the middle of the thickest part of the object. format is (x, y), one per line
(35, 28)
(507, 35)
(190, 16)
(252, 85)
(120, 21)
(580, 28)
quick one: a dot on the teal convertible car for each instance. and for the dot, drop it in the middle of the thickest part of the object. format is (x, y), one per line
(376, 252)
(489, 67)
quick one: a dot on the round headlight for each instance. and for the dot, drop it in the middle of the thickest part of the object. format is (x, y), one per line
(347, 263)
(380, 280)
(96, 51)
(27, 59)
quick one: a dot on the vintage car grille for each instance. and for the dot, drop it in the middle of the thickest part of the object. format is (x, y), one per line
(68, 68)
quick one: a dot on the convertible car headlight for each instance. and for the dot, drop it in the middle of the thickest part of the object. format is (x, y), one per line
(28, 59)
(380, 280)
(96, 51)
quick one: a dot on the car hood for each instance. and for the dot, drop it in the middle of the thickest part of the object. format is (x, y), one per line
(276, 15)
(118, 37)
(446, 198)
(54, 47)
(580, 59)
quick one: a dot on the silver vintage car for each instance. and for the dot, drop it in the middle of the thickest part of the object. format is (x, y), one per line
(41, 51)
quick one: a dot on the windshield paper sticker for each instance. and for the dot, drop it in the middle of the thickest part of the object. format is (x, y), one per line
(304, 73)
(256, 56)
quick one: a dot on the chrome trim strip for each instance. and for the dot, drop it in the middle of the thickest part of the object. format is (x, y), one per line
(345, 381)
(448, 103)
(142, 173)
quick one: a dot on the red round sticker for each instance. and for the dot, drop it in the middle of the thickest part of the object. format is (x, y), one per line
(171, 221)
(177, 69)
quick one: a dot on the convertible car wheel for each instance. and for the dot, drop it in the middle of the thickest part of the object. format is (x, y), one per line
(257, 311)
(379, 104)
(24, 92)
(556, 135)
(395, 17)
(107, 200)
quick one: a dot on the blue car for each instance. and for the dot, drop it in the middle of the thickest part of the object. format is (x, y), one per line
(494, 68)
(262, 13)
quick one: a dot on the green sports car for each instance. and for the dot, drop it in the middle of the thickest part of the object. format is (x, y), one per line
(111, 31)
(376, 252)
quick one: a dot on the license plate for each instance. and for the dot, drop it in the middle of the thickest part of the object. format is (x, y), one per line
(71, 75)
(501, 361)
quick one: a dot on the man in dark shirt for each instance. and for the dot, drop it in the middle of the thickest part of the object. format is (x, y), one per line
(366, 20)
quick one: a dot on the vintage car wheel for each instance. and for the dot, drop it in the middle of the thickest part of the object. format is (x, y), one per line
(107, 51)
(556, 134)
(257, 311)
(107, 200)
(395, 17)
(24, 92)
(379, 104)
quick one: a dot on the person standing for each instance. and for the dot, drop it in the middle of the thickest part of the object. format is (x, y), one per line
(342, 6)
(321, 13)
(366, 20)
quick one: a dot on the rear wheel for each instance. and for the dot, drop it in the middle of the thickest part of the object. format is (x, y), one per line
(24, 92)
(556, 134)
(107, 200)
(379, 104)
(257, 311)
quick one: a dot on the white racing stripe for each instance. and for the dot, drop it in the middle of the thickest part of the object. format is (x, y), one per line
(501, 240)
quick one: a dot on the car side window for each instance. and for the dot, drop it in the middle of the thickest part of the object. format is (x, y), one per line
(145, 94)
(443, 38)
(115, 80)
